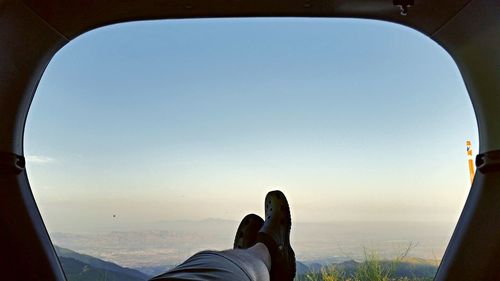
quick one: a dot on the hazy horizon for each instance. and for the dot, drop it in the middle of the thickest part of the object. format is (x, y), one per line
(116, 225)
(172, 242)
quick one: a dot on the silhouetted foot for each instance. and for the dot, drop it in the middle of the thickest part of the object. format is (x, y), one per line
(275, 234)
(246, 235)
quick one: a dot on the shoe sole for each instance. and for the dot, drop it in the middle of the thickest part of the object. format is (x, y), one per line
(246, 235)
(288, 272)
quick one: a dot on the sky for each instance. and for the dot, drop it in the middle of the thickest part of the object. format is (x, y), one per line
(354, 120)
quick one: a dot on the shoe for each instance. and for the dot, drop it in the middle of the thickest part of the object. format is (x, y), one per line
(275, 234)
(246, 235)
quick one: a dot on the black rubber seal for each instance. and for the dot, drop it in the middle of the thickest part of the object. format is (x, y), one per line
(11, 162)
(488, 162)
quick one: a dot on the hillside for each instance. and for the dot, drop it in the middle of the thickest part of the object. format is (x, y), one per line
(79, 267)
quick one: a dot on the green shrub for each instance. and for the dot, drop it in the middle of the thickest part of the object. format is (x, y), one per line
(372, 268)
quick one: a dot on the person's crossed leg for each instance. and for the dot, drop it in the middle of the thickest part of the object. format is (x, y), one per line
(261, 251)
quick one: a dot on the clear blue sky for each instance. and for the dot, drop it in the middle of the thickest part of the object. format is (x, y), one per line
(189, 119)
